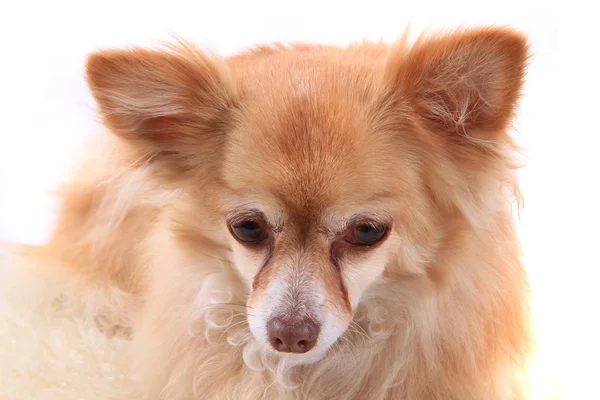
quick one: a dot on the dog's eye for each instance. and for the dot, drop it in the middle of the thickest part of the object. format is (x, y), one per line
(367, 233)
(249, 232)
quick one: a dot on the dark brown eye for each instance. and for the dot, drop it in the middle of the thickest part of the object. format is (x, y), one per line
(249, 232)
(367, 234)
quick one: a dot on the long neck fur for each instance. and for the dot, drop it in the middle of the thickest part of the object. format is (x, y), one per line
(412, 338)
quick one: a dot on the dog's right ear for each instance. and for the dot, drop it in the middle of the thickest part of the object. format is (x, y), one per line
(465, 84)
(171, 103)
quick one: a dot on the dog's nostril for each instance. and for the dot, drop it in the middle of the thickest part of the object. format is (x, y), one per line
(279, 345)
(297, 337)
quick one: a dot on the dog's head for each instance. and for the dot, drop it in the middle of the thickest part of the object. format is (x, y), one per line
(324, 170)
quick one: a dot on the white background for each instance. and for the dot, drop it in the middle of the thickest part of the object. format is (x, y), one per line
(45, 111)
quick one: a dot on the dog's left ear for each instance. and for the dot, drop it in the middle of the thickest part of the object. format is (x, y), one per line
(172, 104)
(466, 83)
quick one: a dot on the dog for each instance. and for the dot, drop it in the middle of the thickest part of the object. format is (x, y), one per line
(309, 221)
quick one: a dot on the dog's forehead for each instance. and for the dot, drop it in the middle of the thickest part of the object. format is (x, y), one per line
(306, 140)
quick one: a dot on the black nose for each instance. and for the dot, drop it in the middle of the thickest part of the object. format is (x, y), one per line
(292, 337)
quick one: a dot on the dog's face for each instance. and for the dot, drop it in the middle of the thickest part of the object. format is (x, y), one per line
(325, 170)
(317, 193)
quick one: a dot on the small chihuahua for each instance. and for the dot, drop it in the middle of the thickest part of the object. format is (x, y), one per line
(307, 221)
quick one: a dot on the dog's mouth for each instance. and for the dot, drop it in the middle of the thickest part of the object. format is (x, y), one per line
(303, 338)
(295, 317)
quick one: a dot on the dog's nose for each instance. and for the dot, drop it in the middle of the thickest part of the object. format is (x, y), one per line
(296, 338)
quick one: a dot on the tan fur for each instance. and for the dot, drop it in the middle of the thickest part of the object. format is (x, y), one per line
(414, 135)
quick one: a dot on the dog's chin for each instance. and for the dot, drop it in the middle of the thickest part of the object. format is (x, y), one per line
(312, 356)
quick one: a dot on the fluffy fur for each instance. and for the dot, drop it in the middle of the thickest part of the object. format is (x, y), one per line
(312, 136)
(51, 348)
